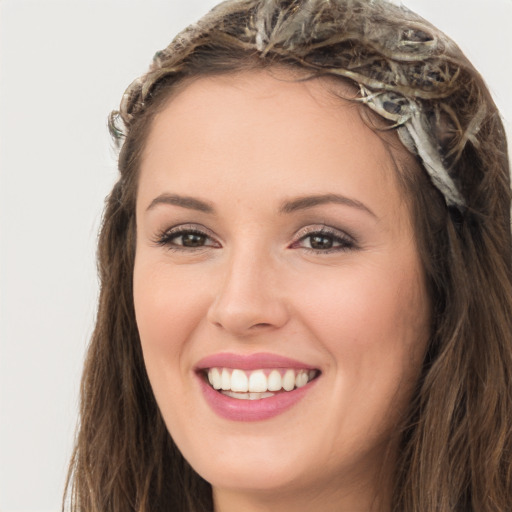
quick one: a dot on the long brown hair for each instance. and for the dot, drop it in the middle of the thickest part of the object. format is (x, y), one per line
(456, 439)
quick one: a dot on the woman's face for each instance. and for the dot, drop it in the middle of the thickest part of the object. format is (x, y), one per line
(275, 250)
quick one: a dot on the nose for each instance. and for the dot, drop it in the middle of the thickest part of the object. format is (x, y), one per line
(250, 298)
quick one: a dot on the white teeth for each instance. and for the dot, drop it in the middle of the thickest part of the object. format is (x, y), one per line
(239, 381)
(226, 379)
(247, 396)
(301, 380)
(275, 382)
(289, 380)
(253, 385)
(214, 378)
(257, 382)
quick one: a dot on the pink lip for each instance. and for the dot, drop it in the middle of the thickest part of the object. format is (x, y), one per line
(250, 362)
(250, 410)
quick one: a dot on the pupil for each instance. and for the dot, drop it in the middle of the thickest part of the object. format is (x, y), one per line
(321, 242)
(193, 240)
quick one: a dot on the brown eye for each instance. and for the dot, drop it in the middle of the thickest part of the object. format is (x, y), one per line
(191, 239)
(324, 241)
(183, 238)
(320, 242)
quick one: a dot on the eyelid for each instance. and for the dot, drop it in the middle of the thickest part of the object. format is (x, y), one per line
(163, 237)
(323, 229)
(347, 240)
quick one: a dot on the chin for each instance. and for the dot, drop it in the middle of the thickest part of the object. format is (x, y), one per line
(253, 476)
(251, 462)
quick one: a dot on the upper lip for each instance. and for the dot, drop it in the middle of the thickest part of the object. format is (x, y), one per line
(256, 361)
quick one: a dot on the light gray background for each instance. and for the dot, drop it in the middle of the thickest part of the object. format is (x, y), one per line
(63, 66)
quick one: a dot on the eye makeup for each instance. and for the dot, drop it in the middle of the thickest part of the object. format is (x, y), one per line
(317, 239)
(322, 239)
(186, 237)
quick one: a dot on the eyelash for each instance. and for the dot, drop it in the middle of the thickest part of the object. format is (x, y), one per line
(165, 238)
(346, 243)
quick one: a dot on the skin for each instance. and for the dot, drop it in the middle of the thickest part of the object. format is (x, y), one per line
(359, 312)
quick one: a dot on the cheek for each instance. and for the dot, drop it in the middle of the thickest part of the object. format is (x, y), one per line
(168, 307)
(374, 323)
(368, 304)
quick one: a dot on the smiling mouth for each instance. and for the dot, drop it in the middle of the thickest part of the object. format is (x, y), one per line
(257, 384)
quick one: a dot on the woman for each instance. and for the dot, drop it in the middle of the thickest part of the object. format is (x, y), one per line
(306, 274)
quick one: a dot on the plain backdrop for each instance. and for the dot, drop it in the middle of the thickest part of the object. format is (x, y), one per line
(64, 65)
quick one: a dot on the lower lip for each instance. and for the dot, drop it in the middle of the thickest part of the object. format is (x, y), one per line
(252, 410)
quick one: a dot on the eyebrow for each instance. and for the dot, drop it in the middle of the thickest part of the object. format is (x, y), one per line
(290, 206)
(305, 202)
(184, 201)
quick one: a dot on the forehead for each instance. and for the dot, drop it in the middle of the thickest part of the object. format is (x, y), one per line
(266, 131)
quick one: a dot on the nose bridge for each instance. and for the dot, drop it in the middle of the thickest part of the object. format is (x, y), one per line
(248, 298)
